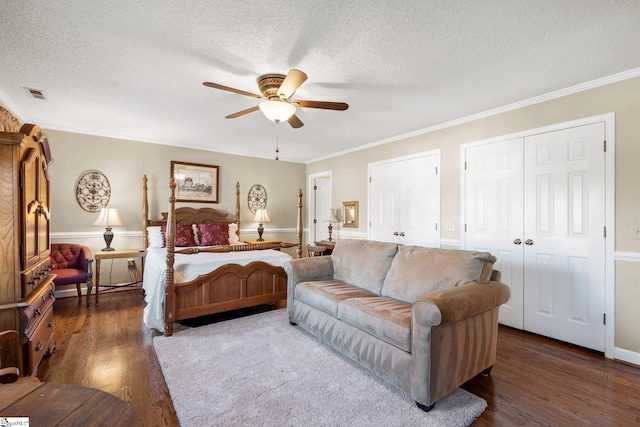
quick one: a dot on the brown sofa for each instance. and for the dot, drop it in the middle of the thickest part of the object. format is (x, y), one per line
(424, 319)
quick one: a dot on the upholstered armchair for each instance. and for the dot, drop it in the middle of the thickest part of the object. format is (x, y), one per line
(72, 263)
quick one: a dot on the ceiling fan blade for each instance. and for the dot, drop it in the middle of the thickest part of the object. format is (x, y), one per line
(230, 89)
(295, 122)
(291, 83)
(325, 105)
(243, 112)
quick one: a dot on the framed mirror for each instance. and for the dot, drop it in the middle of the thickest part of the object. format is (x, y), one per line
(350, 214)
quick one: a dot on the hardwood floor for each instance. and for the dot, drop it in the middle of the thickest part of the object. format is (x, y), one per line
(536, 381)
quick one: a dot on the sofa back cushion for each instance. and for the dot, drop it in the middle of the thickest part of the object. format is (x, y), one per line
(362, 263)
(417, 271)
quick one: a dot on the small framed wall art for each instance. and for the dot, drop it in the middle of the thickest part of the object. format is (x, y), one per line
(195, 182)
(350, 214)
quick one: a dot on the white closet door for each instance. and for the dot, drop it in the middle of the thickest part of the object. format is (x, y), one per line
(538, 204)
(493, 215)
(564, 220)
(419, 213)
(404, 201)
(384, 199)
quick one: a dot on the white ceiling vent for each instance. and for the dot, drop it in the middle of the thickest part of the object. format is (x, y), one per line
(36, 93)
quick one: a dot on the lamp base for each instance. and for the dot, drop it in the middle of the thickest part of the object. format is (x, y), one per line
(260, 231)
(108, 238)
(330, 231)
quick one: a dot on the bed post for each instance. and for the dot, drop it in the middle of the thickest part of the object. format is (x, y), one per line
(169, 293)
(238, 209)
(145, 214)
(299, 225)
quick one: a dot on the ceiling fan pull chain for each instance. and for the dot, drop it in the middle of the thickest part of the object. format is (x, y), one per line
(277, 150)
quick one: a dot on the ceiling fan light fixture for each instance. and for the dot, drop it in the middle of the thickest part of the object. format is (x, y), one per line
(277, 111)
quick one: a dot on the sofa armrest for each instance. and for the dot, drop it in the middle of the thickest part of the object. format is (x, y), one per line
(306, 270)
(461, 302)
(454, 337)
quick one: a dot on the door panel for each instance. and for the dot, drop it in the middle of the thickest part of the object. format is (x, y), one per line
(321, 206)
(564, 218)
(384, 200)
(404, 201)
(493, 215)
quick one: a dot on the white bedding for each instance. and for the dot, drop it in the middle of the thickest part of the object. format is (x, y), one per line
(188, 267)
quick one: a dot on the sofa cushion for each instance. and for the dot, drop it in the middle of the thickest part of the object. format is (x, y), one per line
(363, 263)
(385, 318)
(326, 295)
(417, 271)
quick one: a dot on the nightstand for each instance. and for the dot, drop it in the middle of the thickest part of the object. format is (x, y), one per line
(122, 253)
(255, 242)
(326, 244)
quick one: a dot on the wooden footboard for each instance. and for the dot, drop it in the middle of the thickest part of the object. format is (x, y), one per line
(229, 287)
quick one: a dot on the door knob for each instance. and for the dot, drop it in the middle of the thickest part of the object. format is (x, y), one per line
(402, 234)
(395, 233)
(528, 242)
(517, 242)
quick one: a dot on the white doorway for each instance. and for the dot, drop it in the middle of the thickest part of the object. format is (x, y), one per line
(319, 203)
(404, 200)
(538, 201)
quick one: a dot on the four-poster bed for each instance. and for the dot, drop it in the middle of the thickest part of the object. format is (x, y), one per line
(196, 280)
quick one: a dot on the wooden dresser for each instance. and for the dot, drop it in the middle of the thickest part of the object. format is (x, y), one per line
(26, 285)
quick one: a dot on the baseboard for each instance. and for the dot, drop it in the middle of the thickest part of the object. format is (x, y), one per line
(627, 356)
(73, 293)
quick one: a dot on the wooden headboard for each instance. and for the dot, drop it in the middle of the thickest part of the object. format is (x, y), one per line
(187, 214)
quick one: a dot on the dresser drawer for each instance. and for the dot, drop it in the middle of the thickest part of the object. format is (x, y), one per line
(34, 276)
(40, 343)
(35, 305)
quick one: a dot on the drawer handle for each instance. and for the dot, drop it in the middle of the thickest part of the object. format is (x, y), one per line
(51, 294)
(37, 311)
(50, 324)
(38, 346)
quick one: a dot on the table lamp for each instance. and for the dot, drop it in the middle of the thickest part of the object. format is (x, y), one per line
(108, 218)
(261, 217)
(330, 216)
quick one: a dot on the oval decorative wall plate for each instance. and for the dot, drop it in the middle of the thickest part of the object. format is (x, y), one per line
(257, 198)
(93, 191)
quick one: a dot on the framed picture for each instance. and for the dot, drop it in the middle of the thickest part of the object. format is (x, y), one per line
(350, 214)
(195, 182)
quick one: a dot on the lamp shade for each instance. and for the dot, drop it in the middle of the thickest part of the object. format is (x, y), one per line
(261, 216)
(277, 111)
(108, 218)
(330, 216)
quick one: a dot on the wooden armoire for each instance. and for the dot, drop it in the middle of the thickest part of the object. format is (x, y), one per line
(26, 285)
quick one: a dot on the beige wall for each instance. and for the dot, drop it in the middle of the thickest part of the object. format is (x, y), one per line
(125, 162)
(621, 98)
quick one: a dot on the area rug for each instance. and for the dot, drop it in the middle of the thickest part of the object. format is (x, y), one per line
(260, 370)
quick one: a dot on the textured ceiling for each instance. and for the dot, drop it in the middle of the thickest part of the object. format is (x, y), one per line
(134, 69)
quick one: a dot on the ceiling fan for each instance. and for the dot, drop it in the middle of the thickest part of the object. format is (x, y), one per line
(277, 90)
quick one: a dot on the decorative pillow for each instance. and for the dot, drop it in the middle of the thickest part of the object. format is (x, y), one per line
(156, 238)
(214, 234)
(184, 235)
(233, 234)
